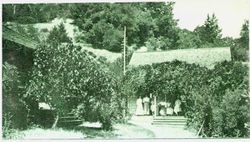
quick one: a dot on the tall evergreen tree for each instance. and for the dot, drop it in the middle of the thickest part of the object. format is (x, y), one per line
(58, 35)
(209, 32)
(244, 35)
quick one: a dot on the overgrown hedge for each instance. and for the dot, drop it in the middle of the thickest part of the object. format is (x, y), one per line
(70, 79)
(218, 97)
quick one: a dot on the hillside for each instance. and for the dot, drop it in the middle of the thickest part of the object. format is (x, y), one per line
(72, 31)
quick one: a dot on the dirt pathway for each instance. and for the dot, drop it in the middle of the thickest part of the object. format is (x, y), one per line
(131, 131)
(137, 128)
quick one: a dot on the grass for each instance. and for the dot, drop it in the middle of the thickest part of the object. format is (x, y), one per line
(40, 133)
(120, 131)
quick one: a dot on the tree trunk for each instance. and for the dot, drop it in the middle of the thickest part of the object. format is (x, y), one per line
(56, 121)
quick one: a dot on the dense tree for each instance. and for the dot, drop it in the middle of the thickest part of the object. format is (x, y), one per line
(209, 32)
(240, 47)
(103, 24)
(244, 35)
(188, 39)
(142, 20)
(33, 13)
(62, 76)
(58, 35)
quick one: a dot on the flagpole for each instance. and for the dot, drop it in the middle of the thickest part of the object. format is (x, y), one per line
(124, 51)
(124, 67)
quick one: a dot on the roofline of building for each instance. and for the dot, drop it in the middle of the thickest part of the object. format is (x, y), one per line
(25, 40)
(185, 49)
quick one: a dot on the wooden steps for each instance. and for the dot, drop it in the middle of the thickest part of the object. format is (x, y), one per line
(169, 120)
(69, 121)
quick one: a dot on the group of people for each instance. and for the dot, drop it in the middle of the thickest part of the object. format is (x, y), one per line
(165, 108)
(143, 106)
(146, 106)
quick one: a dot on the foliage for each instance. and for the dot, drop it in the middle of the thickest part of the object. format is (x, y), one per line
(188, 39)
(116, 69)
(7, 130)
(230, 118)
(210, 31)
(69, 78)
(240, 48)
(58, 35)
(104, 24)
(209, 96)
(33, 13)
(14, 107)
(158, 44)
(244, 35)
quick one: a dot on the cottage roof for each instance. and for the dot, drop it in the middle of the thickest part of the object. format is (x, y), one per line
(16, 37)
(206, 57)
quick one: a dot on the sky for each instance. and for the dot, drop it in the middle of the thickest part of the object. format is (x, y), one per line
(231, 14)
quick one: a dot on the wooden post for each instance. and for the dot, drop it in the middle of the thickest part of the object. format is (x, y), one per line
(155, 106)
(124, 67)
(124, 51)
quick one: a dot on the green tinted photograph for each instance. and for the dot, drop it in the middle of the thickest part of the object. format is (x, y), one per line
(125, 70)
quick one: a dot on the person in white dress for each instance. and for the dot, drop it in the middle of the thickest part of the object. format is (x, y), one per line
(170, 110)
(139, 107)
(152, 107)
(162, 108)
(177, 106)
(146, 101)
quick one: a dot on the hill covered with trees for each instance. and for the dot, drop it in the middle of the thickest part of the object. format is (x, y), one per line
(148, 24)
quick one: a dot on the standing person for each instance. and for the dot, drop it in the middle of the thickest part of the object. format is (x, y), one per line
(139, 107)
(152, 108)
(146, 102)
(177, 106)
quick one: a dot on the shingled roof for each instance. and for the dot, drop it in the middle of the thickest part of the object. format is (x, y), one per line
(206, 57)
(11, 35)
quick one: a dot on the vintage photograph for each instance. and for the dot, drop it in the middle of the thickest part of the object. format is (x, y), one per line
(125, 70)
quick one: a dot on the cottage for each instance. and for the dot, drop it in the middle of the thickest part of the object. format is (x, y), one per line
(206, 57)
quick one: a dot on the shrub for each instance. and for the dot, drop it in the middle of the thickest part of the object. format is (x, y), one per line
(232, 114)
(14, 107)
(68, 78)
(215, 100)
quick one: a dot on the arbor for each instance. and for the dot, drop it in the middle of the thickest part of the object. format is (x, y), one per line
(215, 99)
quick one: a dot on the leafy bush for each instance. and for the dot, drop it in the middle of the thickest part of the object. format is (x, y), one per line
(232, 114)
(7, 128)
(69, 78)
(215, 100)
(14, 107)
(157, 43)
